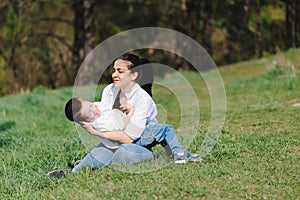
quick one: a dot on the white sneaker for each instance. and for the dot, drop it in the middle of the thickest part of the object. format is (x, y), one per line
(183, 157)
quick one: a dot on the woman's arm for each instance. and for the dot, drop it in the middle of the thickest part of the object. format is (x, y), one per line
(109, 94)
(130, 112)
(117, 136)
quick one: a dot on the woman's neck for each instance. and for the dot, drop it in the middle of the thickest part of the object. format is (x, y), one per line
(128, 88)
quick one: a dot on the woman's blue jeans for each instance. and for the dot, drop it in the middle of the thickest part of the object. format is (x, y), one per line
(101, 156)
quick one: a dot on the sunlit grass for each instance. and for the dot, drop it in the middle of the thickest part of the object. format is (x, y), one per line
(256, 157)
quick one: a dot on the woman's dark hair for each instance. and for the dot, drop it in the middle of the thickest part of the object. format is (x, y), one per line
(134, 59)
(144, 69)
(146, 79)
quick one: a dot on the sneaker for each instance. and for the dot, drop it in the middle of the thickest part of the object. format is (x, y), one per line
(56, 173)
(194, 157)
(183, 157)
(77, 162)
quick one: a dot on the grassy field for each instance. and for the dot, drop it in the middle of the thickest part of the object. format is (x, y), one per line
(256, 157)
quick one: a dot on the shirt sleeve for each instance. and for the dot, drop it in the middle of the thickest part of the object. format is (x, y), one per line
(106, 94)
(137, 123)
(98, 124)
(109, 94)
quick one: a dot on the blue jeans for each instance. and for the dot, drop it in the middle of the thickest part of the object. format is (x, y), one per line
(160, 133)
(101, 156)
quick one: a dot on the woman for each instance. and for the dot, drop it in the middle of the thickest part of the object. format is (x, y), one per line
(125, 76)
(142, 130)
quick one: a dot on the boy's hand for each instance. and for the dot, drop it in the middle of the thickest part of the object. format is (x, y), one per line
(128, 109)
(123, 104)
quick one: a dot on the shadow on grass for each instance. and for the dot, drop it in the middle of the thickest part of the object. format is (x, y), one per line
(6, 139)
(7, 125)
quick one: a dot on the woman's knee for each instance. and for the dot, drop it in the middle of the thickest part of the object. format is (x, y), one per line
(101, 155)
(131, 153)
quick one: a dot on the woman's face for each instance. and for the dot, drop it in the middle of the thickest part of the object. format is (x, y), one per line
(122, 76)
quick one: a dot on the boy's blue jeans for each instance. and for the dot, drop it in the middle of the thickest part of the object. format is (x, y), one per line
(160, 133)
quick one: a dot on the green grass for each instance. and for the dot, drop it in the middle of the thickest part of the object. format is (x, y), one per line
(256, 157)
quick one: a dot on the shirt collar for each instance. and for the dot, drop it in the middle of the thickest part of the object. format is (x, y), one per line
(114, 91)
(134, 88)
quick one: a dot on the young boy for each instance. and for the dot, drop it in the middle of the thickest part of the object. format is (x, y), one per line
(99, 116)
(104, 119)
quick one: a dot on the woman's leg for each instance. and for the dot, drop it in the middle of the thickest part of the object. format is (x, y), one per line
(99, 157)
(131, 153)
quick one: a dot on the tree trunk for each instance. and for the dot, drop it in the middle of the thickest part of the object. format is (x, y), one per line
(206, 32)
(83, 36)
(12, 62)
(88, 24)
(288, 21)
(258, 29)
(79, 40)
(297, 23)
(245, 29)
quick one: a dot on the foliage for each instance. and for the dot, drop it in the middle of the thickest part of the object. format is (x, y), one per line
(44, 42)
(257, 155)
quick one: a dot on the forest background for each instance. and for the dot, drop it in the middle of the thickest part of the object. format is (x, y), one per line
(43, 42)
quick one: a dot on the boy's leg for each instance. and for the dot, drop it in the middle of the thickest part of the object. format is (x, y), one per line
(159, 133)
(164, 132)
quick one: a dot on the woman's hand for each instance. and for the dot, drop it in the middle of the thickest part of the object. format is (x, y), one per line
(89, 128)
(117, 136)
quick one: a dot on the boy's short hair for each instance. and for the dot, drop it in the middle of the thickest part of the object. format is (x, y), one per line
(72, 110)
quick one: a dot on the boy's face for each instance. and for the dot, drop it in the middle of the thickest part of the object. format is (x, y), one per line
(89, 111)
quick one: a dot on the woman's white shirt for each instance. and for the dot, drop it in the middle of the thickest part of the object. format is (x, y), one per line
(145, 110)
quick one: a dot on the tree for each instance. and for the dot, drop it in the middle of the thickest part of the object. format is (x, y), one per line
(258, 29)
(35, 45)
(297, 23)
(82, 32)
(207, 28)
(289, 22)
(245, 28)
(45, 42)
